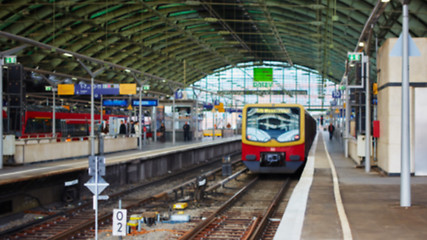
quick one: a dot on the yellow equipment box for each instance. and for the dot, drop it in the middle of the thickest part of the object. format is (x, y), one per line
(133, 223)
(135, 217)
(180, 205)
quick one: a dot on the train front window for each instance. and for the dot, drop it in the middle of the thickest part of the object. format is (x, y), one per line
(266, 123)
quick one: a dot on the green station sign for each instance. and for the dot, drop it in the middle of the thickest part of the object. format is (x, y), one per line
(10, 59)
(263, 77)
(354, 56)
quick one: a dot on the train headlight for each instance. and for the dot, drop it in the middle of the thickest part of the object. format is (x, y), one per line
(257, 135)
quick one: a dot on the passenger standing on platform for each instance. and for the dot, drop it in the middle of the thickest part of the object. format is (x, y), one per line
(162, 131)
(186, 129)
(122, 127)
(331, 130)
(132, 127)
(106, 129)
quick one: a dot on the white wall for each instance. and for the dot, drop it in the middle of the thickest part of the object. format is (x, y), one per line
(389, 102)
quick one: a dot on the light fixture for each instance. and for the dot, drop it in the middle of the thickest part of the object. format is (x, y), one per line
(67, 54)
(127, 70)
(361, 44)
(211, 19)
(385, 1)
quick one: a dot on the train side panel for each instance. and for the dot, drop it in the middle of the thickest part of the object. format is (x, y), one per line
(310, 132)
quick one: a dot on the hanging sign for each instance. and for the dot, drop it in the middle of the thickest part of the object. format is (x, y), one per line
(263, 77)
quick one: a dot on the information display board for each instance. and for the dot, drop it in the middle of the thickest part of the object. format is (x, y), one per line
(145, 103)
(115, 102)
(99, 89)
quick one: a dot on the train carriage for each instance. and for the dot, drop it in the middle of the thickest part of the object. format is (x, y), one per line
(276, 138)
(37, 122)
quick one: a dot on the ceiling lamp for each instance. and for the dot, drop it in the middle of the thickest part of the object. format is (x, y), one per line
(361, 44)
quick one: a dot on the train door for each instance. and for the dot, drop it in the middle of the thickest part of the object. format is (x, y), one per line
(114, 125)
(63, 128)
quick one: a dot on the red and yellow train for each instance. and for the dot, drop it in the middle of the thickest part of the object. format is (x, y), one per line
(276, 138)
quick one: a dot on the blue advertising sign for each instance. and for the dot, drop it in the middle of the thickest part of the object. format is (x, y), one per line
(145, 102)
(115, 102)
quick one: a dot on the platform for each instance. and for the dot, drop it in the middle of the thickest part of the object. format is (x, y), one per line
(370, 206)
(152, 150)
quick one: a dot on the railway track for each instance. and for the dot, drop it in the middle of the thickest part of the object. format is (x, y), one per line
(245, 215)
(248, 208)
(78, 223)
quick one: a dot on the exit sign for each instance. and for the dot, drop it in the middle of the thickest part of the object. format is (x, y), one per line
(9, 59)
(354, 56)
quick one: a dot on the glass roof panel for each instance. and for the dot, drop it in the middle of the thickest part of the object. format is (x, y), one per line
(236, 86)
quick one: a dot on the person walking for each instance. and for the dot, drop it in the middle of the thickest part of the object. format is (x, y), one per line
(186, 129)
(331, 130)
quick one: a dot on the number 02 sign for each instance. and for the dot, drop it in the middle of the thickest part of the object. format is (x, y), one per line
(119, 222)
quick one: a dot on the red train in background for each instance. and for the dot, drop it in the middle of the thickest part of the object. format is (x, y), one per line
(276, 138)
(37, 122)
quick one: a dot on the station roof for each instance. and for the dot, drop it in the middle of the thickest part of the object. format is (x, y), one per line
(183, 40)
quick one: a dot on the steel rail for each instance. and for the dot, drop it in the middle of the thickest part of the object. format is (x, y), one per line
(259, 228)
(192, 233)
(70, 232)
(221, 183)
(88, 224)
